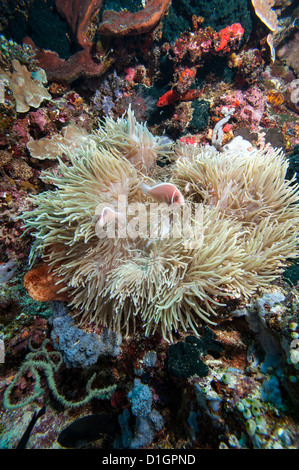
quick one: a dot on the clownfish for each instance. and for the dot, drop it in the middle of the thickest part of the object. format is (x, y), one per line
(164, 192)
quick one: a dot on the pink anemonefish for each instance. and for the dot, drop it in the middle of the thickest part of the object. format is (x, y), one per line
(164, 192)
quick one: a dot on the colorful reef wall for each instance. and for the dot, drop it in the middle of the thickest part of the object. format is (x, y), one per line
(149, 225)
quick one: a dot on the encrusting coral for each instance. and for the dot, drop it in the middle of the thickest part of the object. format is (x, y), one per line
(233, 234)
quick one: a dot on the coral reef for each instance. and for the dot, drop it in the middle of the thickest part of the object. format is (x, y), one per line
(7, 270)
(269, 18)
(149, 206)
(183, 358)
(148, 420)
(196, 45)
(79, 64)
(42, 285)
(250, 224)
(249, 64)
(183, 14)
(133, 140)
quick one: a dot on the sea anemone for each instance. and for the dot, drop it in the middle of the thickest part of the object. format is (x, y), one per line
(172, 283)
(234, 233)
(248, 187)
(133, 140)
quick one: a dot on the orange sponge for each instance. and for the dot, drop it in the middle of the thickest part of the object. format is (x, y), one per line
(43, 286)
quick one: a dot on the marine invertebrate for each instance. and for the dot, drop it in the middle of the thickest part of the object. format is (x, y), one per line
(196, 46)
(141, 398)
(250, 106)
(33, 335)
(289, 51)
(130, 74)
(148, 420)
(231, 239)
(108, 94)
(133, 140)
(249, 64)
(214, 14)
(7, 270)
(9, 50)
(42, 285)
(262, 201)
(275, 98)
(142, 104)
(49, 362)
(184, 357)
(80, 17)
(125, 23)
(79, 64)
(218, 130)
(263, 9)
(27, 91)
(71, 135)
(7, 113)
(80, 348)
(21, 169)
(226, 38)
(183, 78)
